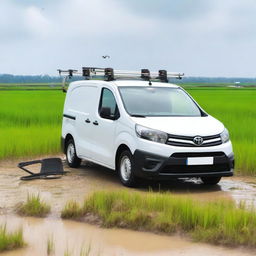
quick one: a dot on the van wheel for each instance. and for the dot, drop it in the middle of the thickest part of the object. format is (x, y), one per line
(126, 169)
(72, 159)
(210, 180)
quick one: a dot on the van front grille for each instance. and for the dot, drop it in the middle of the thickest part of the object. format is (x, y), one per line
(177, 163)
(188, 141)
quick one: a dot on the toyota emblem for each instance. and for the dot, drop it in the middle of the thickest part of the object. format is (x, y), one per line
(198, 140)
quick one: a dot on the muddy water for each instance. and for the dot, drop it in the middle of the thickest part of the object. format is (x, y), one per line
(73, 236)
(78, 184)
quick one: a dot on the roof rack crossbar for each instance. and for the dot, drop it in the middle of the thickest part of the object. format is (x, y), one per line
(109, 74)
(70, 72)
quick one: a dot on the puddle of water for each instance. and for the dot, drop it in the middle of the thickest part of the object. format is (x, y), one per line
(240, 191)
(104, 242)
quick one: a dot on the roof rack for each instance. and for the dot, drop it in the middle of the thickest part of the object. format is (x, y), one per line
(109, 74)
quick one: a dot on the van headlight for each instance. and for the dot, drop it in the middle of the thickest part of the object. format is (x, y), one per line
(150, 134)
(224, 136)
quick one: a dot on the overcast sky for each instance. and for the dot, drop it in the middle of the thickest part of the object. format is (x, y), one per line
(198, 37)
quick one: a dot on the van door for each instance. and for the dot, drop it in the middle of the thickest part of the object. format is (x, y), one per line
(84, 102)
(104, 129)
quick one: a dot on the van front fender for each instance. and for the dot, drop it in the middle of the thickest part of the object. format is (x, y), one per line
(127, 139)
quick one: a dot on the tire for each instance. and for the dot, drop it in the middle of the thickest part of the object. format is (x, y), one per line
(210, 180)
(126, 169)
(71, 156)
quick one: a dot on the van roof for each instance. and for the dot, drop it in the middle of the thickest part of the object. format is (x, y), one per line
(120, 83)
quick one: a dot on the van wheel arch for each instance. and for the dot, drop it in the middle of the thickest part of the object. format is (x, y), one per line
(67, 138)
(72, 159)
(119, 151)
(125, 167)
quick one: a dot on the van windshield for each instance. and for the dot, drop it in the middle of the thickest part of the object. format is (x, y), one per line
(158, 101)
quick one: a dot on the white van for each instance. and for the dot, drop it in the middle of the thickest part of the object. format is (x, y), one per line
(144, 129)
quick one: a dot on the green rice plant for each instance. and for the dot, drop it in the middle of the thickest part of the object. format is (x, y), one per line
(72, 210)
(237, 110)
(85, 251)
(11, 240)
(50, 246)
(26, 141)
(218, 222)
(30, 121)
(34, 206)
(67, 252)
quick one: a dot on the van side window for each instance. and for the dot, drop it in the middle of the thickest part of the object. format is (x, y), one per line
(108, 108)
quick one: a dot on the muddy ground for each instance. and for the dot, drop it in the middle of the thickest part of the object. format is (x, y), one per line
(79, 183)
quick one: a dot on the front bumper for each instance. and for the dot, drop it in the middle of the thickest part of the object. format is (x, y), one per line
(148, 165)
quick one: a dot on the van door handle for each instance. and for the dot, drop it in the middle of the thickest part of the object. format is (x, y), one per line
(95, 123)
(87, 120)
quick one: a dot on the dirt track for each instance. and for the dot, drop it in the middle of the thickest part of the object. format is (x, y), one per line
(78, 183)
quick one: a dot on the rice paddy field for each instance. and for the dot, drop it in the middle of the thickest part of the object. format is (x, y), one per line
(236, 108)
(31, 117)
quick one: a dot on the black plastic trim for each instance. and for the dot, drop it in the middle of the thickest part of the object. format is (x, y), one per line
(192, 137)
(148, 165)
(69, 116)
(62, 144)
(181, 144)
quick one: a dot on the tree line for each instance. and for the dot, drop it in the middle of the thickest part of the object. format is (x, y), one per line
(8, 78)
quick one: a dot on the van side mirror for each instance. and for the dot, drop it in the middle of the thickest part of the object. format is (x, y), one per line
(106, 113)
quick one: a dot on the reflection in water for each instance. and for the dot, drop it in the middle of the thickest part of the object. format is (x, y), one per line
(72, 236)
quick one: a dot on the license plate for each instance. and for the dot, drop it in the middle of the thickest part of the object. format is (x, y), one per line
(199, 160)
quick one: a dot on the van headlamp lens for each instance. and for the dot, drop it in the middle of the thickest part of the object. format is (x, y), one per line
(150, 134)
(224, 136)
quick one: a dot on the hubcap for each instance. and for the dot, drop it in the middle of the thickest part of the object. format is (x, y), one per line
(125, 168)
(70, 152)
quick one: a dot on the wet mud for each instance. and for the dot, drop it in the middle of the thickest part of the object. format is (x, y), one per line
(79, 183)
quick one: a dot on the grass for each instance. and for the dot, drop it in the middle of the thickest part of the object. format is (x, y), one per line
(34, 206)
(30, 86)
(30, 121)
(237, 110)
(50, 246)
(67, 252)
(71, 210)
(217, 222)
(85, 251)
(11, 240)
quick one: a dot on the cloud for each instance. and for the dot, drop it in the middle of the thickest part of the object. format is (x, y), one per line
(36, 23)
(166, 9)
(203, 37)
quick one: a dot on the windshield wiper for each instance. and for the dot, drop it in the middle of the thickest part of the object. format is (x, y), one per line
(135, 115)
